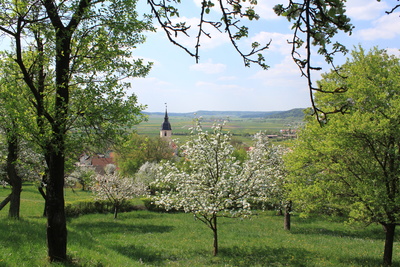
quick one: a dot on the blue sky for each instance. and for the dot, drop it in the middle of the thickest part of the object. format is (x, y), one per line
(220, 81)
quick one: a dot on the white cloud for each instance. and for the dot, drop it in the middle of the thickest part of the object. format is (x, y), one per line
(386, 27)
(365, 9)
(209, 67)
(283, 75)
(393, 51)
(227, 78)
(265, 9)
(279, 41)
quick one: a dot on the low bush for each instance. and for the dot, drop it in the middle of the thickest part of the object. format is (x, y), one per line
(149, 204)
(89, 206)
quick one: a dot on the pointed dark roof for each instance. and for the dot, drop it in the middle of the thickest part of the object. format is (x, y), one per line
(166, 126)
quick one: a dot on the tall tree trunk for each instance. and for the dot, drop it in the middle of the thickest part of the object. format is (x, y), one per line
(388, 251)
(14, 179)
(55, 209)
(215, 231)
(286, 220)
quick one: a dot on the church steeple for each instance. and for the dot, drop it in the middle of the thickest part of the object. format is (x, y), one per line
(166, 130)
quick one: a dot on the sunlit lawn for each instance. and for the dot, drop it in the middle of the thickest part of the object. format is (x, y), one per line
(144, 238)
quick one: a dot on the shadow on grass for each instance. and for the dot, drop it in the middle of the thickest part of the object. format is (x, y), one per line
(375, 234)
(308, 227)
(99, 228)
(264, 256)
(14, 233)
(142, 254)
(365, 261)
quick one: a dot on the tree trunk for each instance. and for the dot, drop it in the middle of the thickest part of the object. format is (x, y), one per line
(115, 211)
(5, 201)
(41, 191)
(56, 221)
(55, 209)
(15, 200)
(388, 251)
(14, 179)
(286, 220)
(214, 228)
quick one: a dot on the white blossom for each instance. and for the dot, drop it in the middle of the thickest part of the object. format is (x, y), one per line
(116, 189)
(212, 183)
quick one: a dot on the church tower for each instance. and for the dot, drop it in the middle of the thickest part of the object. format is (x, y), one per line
(166, 130)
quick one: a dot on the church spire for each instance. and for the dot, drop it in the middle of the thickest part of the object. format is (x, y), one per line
(166, 130)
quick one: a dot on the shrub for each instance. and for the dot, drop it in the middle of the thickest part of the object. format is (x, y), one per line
(82, 207)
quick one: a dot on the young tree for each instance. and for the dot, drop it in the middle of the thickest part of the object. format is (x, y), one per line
(71, 56)
(277, 194)
(352, 164)
(82, 175)
(116, 189)
(212, 183)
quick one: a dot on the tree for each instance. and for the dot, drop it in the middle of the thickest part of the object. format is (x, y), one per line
(76, 54)
(352, 163)
(140, 149)
(82, 175)
(147, 173)
(212, 183)
(10, 125)
(116, 189)
(278, 195)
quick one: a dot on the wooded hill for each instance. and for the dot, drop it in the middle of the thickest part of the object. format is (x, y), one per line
(293, 113)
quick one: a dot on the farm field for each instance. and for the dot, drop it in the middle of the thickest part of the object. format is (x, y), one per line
(241, 128)
(145, 238)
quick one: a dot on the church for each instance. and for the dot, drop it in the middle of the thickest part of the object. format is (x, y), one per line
(166, 130)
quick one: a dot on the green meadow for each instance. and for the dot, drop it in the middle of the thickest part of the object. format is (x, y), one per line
(241, 128)
(145, 238)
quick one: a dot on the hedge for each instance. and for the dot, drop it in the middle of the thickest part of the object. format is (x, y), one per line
(82, 207)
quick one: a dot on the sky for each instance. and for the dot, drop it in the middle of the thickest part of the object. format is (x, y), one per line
(221, 82)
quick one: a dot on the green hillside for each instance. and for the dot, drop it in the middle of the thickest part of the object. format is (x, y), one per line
(297, 112)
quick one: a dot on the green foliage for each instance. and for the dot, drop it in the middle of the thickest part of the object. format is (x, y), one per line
(139, 149)
(352, 163)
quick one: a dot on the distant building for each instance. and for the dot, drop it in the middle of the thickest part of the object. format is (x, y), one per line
(97, 162)
(166, 130)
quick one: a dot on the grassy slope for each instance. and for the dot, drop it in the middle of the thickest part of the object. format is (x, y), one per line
(144, 238)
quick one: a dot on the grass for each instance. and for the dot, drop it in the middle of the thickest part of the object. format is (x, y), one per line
(144, 238)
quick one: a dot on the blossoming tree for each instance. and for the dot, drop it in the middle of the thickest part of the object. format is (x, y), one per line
(116, 189)
(212, 183)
